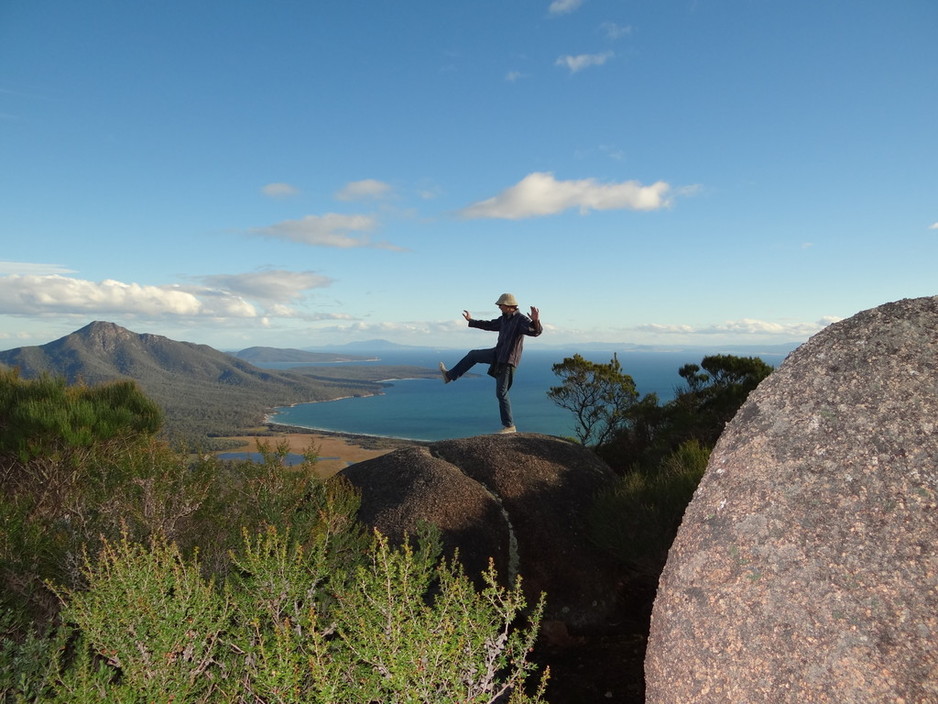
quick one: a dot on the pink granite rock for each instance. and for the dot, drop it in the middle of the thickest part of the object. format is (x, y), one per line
(805, 569)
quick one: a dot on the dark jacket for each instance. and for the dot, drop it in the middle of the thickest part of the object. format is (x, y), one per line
(511, 329)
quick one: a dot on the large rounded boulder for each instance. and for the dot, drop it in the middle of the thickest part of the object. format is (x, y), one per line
(521, 500)
(805, 568)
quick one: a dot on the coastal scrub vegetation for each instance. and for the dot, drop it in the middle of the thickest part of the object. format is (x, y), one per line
(659, 450)
(132, 571)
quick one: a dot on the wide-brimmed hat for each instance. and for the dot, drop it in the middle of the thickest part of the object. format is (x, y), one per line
(506, 299)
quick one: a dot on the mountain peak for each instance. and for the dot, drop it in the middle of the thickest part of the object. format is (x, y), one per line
(102, 335)
(102, 327)
(203, 391)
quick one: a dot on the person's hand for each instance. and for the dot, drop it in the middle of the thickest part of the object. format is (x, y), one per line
(535, 313)
(466, 315)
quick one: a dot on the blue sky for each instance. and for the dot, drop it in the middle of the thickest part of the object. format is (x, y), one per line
(294, 174)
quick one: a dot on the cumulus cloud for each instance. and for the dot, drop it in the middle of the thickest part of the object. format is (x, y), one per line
(274, 286)
(934, 226)
(55, 294)
(279, 190)
(255, 295)
(367, 189)
(539, 194)
(562, 7)
(329, 230)
(581, 61)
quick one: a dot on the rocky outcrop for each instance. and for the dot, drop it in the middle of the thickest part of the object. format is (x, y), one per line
(805, 568)
(520, 499)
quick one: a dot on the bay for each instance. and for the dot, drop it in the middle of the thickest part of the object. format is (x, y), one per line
(429, 410)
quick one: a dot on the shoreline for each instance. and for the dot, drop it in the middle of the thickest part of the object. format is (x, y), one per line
(267, 416)
(371, 439)
(364, 440)
(337, 450)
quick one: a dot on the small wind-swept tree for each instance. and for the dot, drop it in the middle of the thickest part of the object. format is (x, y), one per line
(599, 395)
(714, 392)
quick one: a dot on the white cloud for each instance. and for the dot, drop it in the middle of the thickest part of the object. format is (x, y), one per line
(539, 194)
(14, 336)
(581, 61)
(330, 316)
(615, 31)
(513, 76)
(329, 230)
(7, 267)
(274, 286)
(428, 190)
(279, 190)
(743, 326)
(367, 189)
(934, 226)
(55, 294)
(428, 330)
(253, 295)
(562, 7)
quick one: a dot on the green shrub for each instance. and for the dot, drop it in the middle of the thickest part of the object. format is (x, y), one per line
(397, 645)
(143, 490)
(44, 417)
(402, 626)
(178, 577)
(29, 664)
(63, 507)
(252, 496)
(637, 519)
(151, 616)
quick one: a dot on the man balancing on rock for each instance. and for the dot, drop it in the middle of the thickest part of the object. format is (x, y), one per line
(502, 359)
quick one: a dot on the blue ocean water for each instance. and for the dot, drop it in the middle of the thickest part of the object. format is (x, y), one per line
(428, 409)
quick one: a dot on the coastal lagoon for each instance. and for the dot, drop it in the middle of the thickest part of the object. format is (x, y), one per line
(428, 409)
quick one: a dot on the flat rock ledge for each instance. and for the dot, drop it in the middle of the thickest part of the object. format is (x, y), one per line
(805, 569)
(521, 500)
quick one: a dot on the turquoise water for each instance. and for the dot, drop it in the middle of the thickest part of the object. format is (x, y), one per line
(428, 409)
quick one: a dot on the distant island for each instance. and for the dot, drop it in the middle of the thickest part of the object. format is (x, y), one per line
(278, 355)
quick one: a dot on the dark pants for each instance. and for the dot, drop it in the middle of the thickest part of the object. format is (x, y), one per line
(503, 378)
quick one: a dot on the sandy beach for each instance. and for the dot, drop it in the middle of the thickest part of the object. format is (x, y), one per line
(336, 450)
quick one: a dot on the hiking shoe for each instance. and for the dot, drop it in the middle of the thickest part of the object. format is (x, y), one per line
(507, 430)
(445, 374)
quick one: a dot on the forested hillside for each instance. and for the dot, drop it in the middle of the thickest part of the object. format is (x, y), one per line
(203, 392)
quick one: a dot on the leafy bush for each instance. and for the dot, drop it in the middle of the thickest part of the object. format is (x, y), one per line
(402, 626)
(44, 417)
(29, 665)
(143, 489)
(178, 577)
(152, 618)
(468, 650)
(637, 519)
(62, 507)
